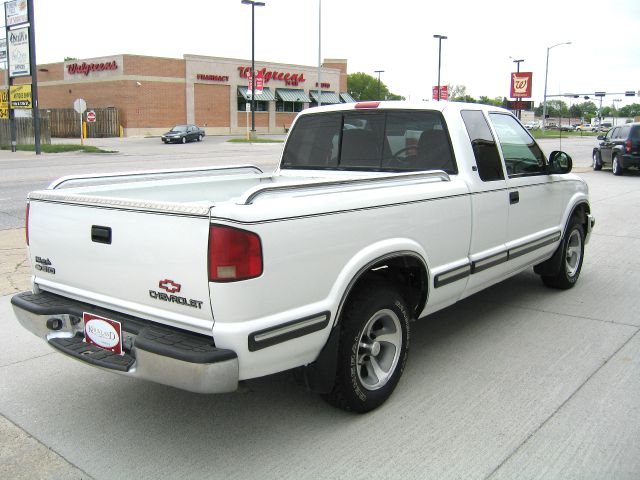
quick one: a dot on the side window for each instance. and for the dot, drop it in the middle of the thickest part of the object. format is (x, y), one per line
(610, 133)
(484, 146)
(522, 155)
(624, 132)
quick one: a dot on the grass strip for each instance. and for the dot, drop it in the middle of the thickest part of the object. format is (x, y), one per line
(59, 148)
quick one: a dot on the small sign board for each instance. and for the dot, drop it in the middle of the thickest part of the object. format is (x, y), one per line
(19, 59)
(16, 12)
(79, 105)
(3, 50)
(91, 116)
(259, 83)
(519, 105)
(20, 96)
(4, 104)
(444, 93)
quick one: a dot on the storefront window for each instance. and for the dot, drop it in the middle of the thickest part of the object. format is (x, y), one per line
(289, 106)
(260, 106)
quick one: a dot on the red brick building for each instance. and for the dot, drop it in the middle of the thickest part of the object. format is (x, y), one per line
(154, 93)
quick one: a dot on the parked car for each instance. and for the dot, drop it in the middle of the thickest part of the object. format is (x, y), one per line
(587, 128)
(321, 266)
(605, 126)
(620, 148)
(532, 125)
(183, 134)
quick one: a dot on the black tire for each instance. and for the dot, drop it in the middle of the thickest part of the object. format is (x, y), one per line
(184, 140)
(374, 311)
(572, 246)
(616, 168)
(597, 160)
(199, 138)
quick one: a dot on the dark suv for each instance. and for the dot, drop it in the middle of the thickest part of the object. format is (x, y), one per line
(620, 147)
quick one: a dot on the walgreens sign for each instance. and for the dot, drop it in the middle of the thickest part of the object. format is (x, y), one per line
(287, 78)
(86, 68)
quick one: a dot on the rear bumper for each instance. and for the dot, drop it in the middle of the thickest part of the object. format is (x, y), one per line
(159, 354)
(628, 160)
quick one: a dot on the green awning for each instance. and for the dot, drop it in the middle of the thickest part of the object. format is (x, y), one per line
(292, 95)
(327, 97)
(266, 95)
(346, 98)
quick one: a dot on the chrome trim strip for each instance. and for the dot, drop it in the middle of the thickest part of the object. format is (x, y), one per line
(452, 275)
(531, 246)
(287, 331)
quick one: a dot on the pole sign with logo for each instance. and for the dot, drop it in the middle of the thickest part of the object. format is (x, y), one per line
(16, 13)
(20, 96)
(521, 84)
(444, 93)
(19, 59)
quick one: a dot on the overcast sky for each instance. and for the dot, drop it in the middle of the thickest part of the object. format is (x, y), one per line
(394, 36)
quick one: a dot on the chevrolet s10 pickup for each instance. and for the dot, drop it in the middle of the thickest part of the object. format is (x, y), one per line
(379, 214)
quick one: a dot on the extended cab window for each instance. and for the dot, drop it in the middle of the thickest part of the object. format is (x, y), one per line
(484, 146)
(522, 155)
(371, 140)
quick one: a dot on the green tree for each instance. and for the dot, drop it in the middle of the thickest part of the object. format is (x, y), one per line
(68, 59)
(632, 110)
(496, 102)
(362, 86)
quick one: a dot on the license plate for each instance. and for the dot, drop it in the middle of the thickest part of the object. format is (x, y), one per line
(103, 332)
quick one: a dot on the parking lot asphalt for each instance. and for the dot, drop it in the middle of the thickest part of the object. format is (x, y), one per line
(518, 381)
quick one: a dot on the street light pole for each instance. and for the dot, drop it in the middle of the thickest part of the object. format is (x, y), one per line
(517, 62)
(546, 74)
(440, 38)
(253, 62)
(379, 72)
(319, 53)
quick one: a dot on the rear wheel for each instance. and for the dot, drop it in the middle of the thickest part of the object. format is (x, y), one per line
(616, 168)
(597, 160)
(572, 255)
(374, 343)
(184, 139)
(200, 137)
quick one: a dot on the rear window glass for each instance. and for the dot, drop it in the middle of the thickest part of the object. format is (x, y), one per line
(381, 140)
(635, 131)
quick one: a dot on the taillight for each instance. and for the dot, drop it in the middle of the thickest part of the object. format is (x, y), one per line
(627, 146)
(26, 224)
(234, 254)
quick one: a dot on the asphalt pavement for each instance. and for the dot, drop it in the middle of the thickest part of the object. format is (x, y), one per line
(518, 381)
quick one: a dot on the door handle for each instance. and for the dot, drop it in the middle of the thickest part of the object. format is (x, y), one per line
(514, 197)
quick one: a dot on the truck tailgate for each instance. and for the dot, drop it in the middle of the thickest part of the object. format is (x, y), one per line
(148, 264)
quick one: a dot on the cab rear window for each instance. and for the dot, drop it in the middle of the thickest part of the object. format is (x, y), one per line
(364, 140)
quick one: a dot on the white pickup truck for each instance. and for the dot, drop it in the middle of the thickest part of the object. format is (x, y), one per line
(379, 214)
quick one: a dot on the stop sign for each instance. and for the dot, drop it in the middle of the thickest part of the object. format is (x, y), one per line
(91, 116)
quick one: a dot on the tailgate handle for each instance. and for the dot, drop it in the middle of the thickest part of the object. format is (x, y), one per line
(101, 234)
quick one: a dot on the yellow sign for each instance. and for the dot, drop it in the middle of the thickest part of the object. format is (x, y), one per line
(4, 104)
(20, 96)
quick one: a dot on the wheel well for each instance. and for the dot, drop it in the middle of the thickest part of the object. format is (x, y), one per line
(580, 212)
(405, 272)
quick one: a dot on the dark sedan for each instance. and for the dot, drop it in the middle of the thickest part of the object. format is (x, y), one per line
(183, 134)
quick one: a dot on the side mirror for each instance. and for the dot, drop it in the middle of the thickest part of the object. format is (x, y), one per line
(600, 137)
(559, 162)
